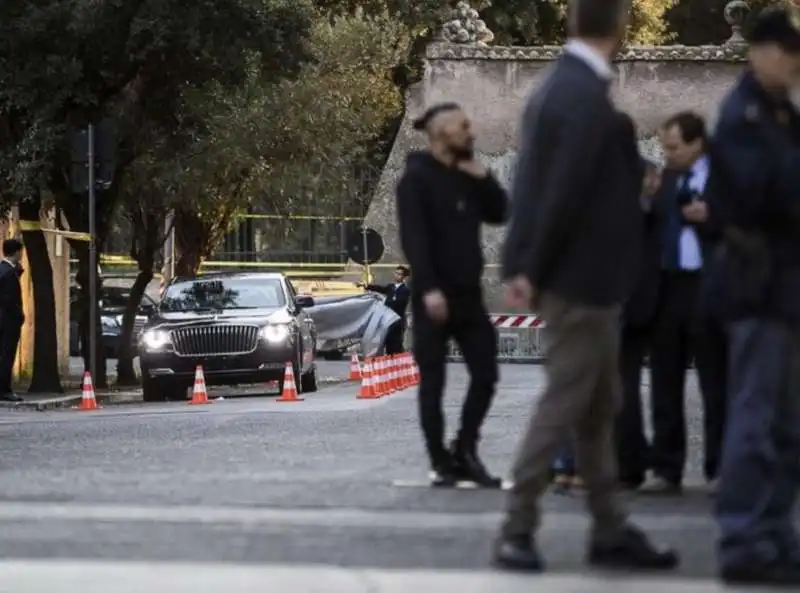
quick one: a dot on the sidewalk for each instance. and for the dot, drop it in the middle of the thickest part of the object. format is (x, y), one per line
(130, 577)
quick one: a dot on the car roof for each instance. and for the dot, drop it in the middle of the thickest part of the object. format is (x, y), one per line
(233, 275)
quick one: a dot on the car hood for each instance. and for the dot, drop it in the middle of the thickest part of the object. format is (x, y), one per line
(170, 319)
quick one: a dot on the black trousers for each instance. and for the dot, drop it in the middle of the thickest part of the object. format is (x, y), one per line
(633, 450)
(680, 335)
(469, 325)
(9, 340)
(394, 339)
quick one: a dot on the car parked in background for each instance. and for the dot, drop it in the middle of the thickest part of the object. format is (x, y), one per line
(112, 303)
(241, 327)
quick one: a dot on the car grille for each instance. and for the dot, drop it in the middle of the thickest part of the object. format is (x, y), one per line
(215, 340)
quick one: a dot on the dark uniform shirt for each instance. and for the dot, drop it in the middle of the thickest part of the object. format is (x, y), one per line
(754, 197)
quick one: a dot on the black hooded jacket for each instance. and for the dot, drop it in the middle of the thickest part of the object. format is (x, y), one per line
(440, 211)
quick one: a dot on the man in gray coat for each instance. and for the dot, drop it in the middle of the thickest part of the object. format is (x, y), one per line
(570, 255)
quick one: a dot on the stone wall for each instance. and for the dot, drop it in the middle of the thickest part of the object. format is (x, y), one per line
(492, 84)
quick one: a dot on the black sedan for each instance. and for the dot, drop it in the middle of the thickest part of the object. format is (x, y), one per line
(241, 327)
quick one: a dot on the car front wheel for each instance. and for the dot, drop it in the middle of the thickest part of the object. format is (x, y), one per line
(162, 389)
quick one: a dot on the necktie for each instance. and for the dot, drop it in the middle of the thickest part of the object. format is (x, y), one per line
(674, 226)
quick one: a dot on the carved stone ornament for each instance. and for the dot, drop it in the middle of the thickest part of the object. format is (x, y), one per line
(465, 37)
(736, 13)
(465, 27)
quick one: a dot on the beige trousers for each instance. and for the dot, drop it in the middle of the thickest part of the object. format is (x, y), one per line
(580, 402)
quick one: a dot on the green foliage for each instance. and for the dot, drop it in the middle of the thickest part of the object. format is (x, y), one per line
(63, 62)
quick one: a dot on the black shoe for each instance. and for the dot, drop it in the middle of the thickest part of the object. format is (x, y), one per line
(470, 468)
(517, 553)
(444, 475)
(11, 397)
(776, 573)
(631, 549)
(661, 486)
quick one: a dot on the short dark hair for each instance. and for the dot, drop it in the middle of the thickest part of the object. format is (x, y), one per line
(423, 120)
(404, 271)
(691, 126)
(12, 247)
(596, 19)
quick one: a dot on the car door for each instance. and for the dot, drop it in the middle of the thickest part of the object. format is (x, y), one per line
(306, 325)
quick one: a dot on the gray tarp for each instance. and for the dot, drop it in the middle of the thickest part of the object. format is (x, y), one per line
(362, 319)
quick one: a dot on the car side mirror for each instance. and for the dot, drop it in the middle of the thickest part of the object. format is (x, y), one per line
(304, 301)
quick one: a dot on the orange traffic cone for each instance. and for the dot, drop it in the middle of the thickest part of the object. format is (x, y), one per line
(367, 390)
(88, 400)
(406, 380)
(199, 393)
(355, 369)
(379, 377)
(289, 386)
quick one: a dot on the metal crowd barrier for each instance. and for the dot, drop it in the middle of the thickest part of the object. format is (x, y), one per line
(519, 340)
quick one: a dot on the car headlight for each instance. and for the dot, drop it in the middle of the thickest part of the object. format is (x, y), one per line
(275, 333)
(153, 339)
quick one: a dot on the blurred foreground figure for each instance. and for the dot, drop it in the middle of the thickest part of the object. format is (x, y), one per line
(443, 197)
(755, 180)
(571, 255)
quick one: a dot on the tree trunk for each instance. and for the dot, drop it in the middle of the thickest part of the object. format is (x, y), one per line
(125, 372)
(45, 377)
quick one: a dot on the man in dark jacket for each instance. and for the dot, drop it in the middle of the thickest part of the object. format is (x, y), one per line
(11, 315)
(444, 196)
(756, 172)
(398, 296)
(571, 255)
(637, 319)
(680, 333)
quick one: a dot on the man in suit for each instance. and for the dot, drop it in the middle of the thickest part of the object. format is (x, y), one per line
(570, 254)
(637, 319)
(680, 334)
(11, 315)
(397, 299)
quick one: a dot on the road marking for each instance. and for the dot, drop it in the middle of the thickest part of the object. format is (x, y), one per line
(135, 577)
(276, 517)
(459, 486)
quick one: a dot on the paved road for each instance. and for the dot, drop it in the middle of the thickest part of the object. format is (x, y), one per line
(304, 496)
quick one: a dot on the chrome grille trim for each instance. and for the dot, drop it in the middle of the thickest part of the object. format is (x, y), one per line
(215, 340)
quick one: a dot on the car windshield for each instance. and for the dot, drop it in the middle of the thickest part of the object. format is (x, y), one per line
(223, 293)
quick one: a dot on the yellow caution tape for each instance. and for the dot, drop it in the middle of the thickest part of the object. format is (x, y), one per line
(29, 225)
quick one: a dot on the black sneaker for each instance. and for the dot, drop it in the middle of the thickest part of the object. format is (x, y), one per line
(779, 573)
(517, 553)
(444, 475)
(631, 549)
(470, 468)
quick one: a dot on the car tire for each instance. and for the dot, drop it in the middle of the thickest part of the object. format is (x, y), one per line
(163, 389)
(308, 382)
(298, 379)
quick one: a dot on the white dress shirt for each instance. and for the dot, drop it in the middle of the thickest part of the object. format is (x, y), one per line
(690, 254)
(594, 59)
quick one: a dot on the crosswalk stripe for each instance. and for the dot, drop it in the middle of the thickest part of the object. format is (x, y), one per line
(102, 577)
(330, 517)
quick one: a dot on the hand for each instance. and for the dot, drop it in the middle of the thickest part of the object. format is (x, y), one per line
(474, 168)
(435, 305)
(520, 293)
(695, 211)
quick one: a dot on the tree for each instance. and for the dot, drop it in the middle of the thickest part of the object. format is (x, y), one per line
(64, 63)
(283, 144)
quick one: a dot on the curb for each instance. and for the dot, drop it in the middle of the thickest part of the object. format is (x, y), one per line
(108, 399)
